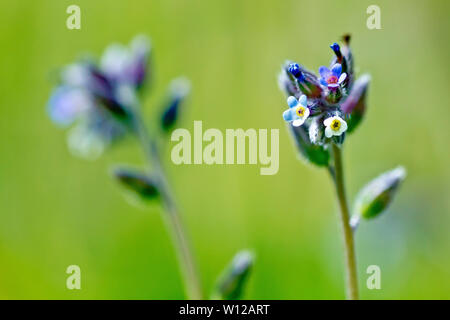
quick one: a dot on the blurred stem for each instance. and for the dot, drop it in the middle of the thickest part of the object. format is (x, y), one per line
(350, 258)
(172, 218)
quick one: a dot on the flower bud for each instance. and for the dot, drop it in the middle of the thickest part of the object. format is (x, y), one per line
(231, 283)
(138, 71)
(288, 84)
(306, 81)
(139, 183)
(316, 131)
(354, 105)
(178, 90)
(376, 196)
(347, 53)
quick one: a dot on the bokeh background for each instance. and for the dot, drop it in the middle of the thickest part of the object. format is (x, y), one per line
(57, 210)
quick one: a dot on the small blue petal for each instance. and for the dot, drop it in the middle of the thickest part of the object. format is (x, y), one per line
(65, 105)
(336, 70)
(324, 71)
(292, 102)
(323, 82)
(302, 100)
(288, 115)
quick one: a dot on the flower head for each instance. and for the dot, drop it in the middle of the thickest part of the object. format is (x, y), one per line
(97, 97)
(334, 126)
(298, 111)
(332, 78)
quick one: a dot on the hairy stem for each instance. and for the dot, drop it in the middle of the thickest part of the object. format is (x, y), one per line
(350, 257)
(172, 218)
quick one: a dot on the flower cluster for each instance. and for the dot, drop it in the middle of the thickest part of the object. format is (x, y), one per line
(95, 96)
(323, 108)
(100, 99)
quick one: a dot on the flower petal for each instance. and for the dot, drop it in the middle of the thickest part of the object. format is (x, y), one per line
(303, 100)
(342, 78)
(343, 126)
(327, 121)
(288, 115)
(336, 69)
(324, 71)
(292, 102)
(333, 85)
(66, 104)
(328, 132)
(306, 115)
(298, 122)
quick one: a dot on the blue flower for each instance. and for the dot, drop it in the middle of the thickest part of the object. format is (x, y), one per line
(66, 104)
(96, 98)
(332, 78)
(298, 111)
(127, 64)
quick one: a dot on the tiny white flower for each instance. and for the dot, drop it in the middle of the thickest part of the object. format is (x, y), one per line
(298, 111)
(334, 126)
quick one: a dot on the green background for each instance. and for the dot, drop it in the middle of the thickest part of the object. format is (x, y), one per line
(57, 210)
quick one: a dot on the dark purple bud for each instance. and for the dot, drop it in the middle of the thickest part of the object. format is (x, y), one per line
(337, 50)
(179, 89)
(294, 69)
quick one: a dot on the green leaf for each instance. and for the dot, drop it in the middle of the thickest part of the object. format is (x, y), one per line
(137, 182)
(376, 196)
(313, 153)
(231, 283)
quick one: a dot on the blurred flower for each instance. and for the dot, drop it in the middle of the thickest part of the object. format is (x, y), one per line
(67, 104)
(125, 64)
(332, 78)
(298, 111)
(98, 98)
(334, 126)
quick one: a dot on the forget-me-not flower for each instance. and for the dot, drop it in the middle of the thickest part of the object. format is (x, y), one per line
(332, 78)
(334, 126)
(298, 111)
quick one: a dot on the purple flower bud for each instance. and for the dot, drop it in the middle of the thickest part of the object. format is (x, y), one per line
(336, 49)
(294, 69)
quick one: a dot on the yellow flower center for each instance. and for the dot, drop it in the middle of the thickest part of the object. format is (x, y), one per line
(300, 111)
(335, 125)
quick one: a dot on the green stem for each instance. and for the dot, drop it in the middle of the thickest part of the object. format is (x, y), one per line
(185, 257)
(350, 258)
